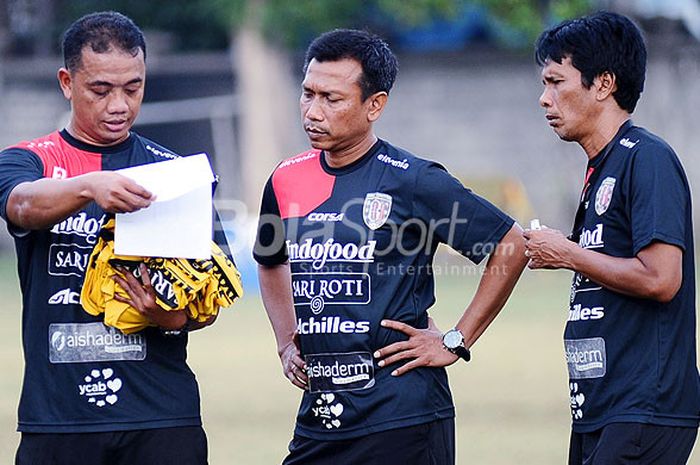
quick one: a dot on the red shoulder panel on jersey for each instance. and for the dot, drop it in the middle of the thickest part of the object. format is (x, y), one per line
(300, 184)
(62, 160)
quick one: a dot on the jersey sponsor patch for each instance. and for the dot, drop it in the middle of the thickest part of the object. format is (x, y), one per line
(68, 259)
(100, 387)
(585, 358)
(328, 410)
(320, 289)
(80, 225)
(331, 325)
(376, 209)
(93, 342)
(604, 195)
(350, 371)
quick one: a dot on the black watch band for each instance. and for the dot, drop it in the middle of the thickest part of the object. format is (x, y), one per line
(462, 352)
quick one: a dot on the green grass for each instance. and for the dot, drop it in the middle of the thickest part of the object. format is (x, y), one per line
(512, 399)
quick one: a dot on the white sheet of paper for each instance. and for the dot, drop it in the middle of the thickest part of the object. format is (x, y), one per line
(172, 178)
(179, 223)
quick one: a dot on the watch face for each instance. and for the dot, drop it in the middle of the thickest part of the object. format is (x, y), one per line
(452, 339)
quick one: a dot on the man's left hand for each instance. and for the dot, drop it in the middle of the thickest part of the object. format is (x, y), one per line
(547, 248)
(142, 297)
(424, 347)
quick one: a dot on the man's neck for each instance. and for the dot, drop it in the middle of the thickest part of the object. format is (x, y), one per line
(605, 130)
(351, 154)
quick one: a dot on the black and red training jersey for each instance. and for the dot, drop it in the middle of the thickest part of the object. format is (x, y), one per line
(80, 375)
(360, 241)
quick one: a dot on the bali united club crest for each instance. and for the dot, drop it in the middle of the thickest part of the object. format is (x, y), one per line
(376, 209)
(604, 195)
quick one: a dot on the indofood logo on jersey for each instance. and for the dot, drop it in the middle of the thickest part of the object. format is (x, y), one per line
(80, 225)
(330, 251)
(376, 209)
(592, 238)
(604, 195)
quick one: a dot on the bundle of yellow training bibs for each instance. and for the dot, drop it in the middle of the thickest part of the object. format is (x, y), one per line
(199, 287)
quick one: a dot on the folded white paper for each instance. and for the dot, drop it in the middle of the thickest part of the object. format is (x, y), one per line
(179, 222)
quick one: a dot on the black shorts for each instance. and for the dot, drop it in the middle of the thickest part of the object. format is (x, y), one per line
(164, 446)
(427, 444)
(633, 443)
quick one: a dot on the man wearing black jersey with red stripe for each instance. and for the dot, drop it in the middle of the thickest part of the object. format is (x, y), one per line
(345, 246)
(92, 395)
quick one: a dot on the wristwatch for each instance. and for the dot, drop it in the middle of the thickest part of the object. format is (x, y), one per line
(453, 340)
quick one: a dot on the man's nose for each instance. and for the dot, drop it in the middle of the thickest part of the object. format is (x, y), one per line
(117, 102)
(545, 99)
(313, 110)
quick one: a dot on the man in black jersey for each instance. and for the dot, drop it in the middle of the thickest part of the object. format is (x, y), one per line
(92, 395)
(346, 240)
(630, 336)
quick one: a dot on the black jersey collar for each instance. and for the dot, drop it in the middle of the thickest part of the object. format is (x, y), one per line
(121, 146)
(354, 165)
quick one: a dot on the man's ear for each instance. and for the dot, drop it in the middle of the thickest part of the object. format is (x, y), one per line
(605, 84)
(65, 80)
(376, 103)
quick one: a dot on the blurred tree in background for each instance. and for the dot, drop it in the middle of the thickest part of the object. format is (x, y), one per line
(32, 27)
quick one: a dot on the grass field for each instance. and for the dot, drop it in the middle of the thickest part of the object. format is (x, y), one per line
(512, 399)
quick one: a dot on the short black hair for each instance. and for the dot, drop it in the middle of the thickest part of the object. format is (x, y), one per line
(101, 31)
(599, 43)
(379, 64)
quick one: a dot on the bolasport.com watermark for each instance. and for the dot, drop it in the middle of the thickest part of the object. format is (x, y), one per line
(339, 238)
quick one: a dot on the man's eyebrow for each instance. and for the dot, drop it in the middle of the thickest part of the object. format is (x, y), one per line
(111, 84)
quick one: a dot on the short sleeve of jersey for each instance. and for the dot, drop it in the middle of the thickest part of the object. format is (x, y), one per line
(456, 216)
(16, 166)
(658, 197)
(270, 248)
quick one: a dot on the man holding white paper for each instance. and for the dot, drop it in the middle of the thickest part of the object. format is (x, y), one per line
(112, 398)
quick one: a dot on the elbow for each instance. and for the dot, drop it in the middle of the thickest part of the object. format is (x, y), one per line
(664, 290)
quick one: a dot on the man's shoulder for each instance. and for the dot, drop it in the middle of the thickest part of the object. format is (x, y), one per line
(641, 145)
(639, 138)
(299, 161)
(400, 159)
(158, 151)
(40, 146)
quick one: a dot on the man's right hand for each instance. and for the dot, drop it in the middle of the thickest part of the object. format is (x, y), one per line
(293, 365)
(116, 193)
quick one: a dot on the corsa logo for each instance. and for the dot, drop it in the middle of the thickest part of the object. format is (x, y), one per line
(326, 217)
(65, 297)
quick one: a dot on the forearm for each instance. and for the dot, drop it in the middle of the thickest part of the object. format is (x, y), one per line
(45, 202)
(276, 292)
(500, 276)
(629, 276)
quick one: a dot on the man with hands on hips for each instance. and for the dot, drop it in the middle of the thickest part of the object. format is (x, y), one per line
(345, 246)
(630, 335)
